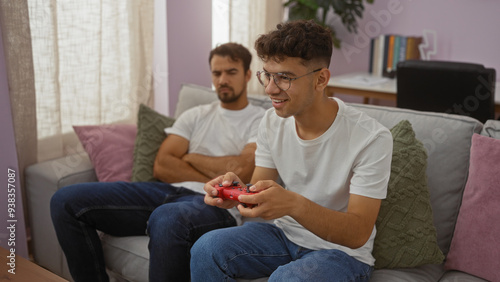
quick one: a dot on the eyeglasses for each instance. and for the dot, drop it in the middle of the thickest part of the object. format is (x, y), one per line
(283, 81)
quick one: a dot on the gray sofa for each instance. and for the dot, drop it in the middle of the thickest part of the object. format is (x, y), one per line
(447, 139)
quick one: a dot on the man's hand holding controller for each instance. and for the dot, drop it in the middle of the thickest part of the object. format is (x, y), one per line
(265, 199)
(225, 190)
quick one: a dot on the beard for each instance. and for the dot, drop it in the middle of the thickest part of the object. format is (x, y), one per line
(229, 95)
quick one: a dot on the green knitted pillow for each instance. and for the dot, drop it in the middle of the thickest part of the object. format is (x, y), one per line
(150, 134)
(406, 236)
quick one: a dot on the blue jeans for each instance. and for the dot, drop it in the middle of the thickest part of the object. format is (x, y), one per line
(174, 218)
(257, 250)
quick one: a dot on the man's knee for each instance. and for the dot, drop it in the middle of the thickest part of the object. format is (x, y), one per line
(165, 219)
(294, 272)
(61, 200)
(207, 245)
(202, 248)
(73, 199)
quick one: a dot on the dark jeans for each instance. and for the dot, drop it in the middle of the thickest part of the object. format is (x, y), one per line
(174, 218)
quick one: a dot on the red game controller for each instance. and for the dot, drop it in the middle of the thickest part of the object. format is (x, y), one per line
(233, 192)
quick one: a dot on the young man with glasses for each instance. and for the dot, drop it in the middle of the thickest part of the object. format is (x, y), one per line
(204, 141)
(333, 160)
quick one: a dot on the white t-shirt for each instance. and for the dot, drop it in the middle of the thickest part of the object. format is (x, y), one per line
(352, 156)
(215, 131)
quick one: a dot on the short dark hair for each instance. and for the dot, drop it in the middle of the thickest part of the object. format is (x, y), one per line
(303, 39)
(235, 51)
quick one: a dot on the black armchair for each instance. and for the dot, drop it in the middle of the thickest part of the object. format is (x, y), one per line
(447, 87)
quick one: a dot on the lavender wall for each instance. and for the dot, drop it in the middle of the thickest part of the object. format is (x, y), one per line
(466, 31)
(12, 229)
(189, 38)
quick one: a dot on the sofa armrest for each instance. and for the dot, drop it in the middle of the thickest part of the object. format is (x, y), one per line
(42, 181)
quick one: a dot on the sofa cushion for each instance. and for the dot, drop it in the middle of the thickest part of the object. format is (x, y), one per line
(150, 134)
(423, 273)
(492, 129)
(193, 95)
(406, 236)
(475, 247)
(127, 256)
(447, 139)
(110, 149)
(459, 276)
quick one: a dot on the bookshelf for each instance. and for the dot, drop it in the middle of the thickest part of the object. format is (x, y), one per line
(387, 50)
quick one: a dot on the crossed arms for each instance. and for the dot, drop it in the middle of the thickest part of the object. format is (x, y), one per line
(173, 163)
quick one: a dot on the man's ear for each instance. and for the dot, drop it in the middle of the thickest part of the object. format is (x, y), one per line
(248, 75)
(322, 79)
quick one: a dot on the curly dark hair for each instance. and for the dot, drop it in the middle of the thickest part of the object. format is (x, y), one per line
(235, 51)
(302, 38)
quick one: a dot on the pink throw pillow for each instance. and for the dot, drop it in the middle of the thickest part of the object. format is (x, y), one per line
(110, 149)
(475, 248)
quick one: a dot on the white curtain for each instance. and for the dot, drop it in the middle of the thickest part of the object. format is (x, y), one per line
(20, 90)
(246, 21)
(92, 63)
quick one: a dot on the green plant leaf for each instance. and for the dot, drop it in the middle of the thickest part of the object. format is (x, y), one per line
(325, 4)
(349, 12)
(300, 11)
(338, 5)
(311, 4)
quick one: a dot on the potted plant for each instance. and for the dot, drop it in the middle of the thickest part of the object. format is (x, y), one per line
(348, 11)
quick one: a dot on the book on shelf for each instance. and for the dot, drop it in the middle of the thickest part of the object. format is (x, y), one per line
(387, 50)
(390, 53)
(412, 51)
